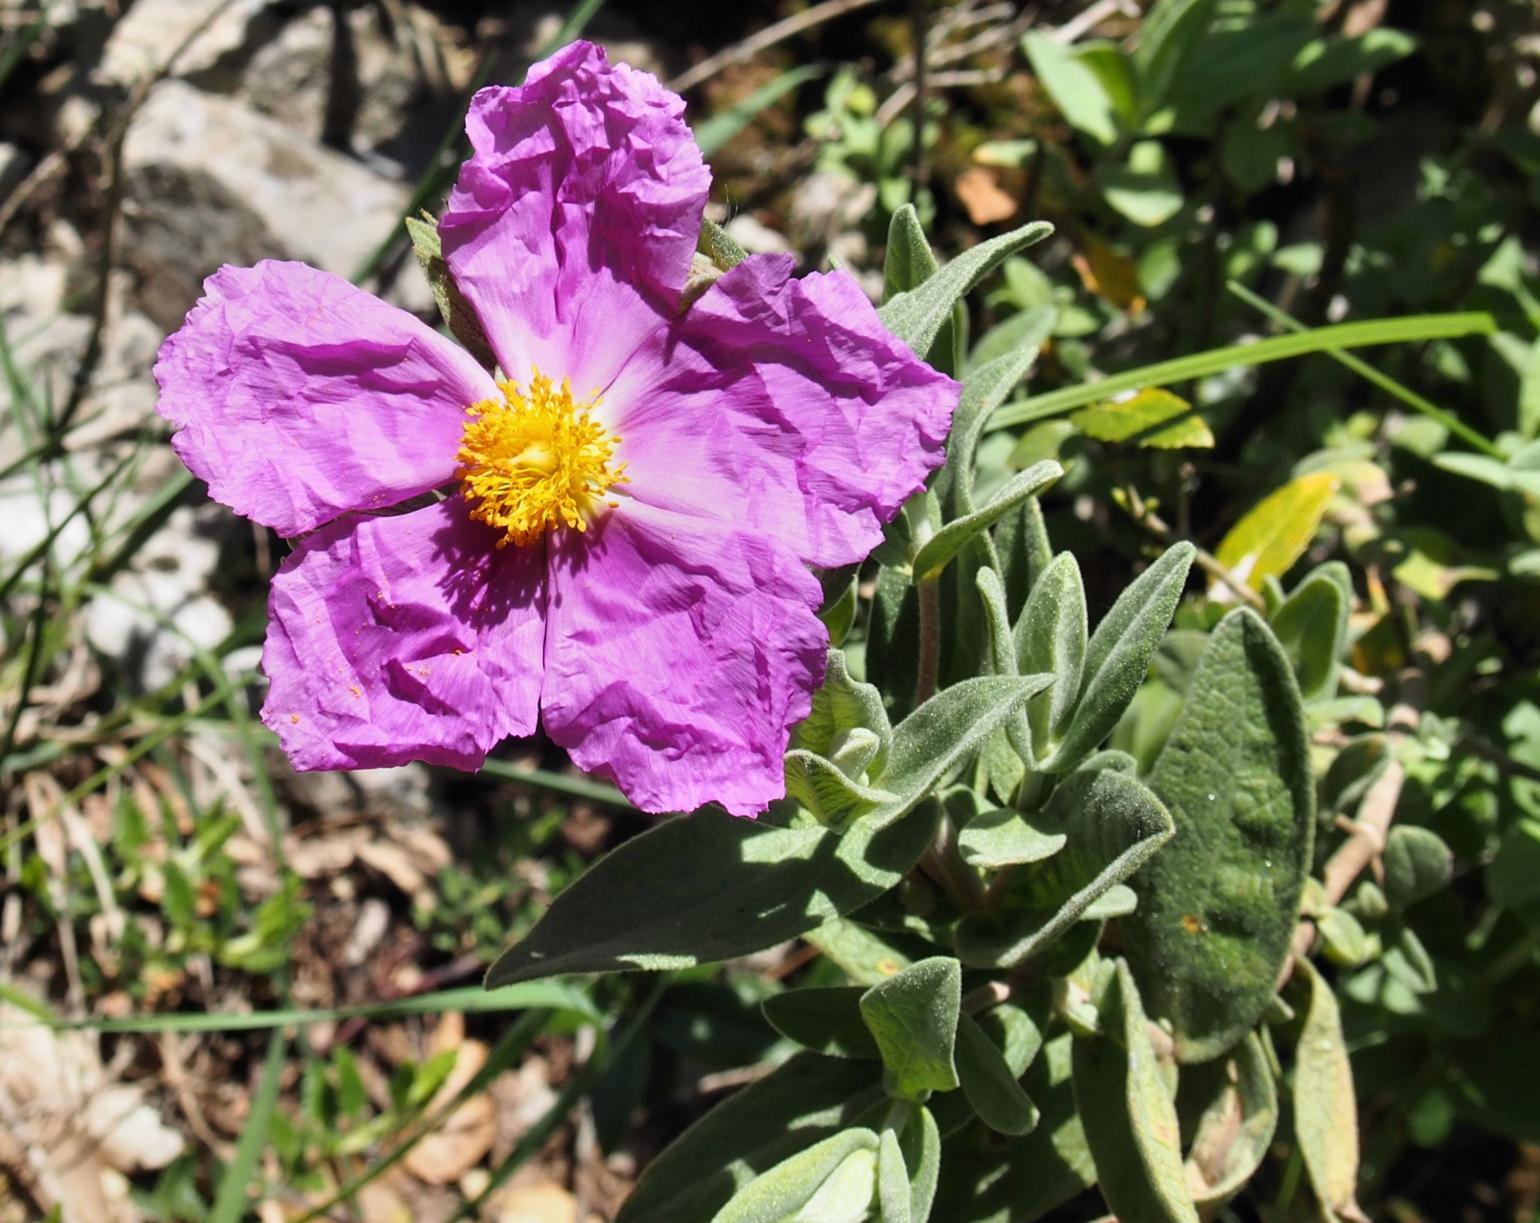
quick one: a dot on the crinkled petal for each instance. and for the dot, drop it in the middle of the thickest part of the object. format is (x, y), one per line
(298, 397)
(785, 406)
(679, 653)
(572, 225)
(410, 637)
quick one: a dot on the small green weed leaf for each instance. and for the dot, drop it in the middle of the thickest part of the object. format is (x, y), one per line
(458, 314)
(1352, 771)
(1345, 941)
(917, 315)
(1217, 908)
(988, 1083)
(933, 556)
(1417, 864)
(832, 1180)
(1146, 190)
(1237, 1125)
(1008, 838)
(840, 705)
(921, 1145)
(1152, 417)
(1311, 625)
(826, 1020)
(1050, 639)
(705, 887)
(1408, 961)
(802, 1102)
(1513, 874)
(913, 1017)
(1074, 88)
(1119, 652)
(1324, 62)
(1274, 533)
(1325, 1107)
(827, 791)
(893, 1193)
(1169, 31)
(1112, 823)
(1128, 1113)
(946, 730)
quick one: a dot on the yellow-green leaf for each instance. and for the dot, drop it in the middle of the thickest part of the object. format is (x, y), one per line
(1151, 417)
(1276, 532)
(1325, 1108)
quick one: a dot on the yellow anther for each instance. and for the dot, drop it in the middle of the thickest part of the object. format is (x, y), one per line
(535, 460)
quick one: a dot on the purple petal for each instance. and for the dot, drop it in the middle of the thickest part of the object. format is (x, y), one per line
(783, 406)
(297, 396)
(572, 225)
(403, 638)
(679, 654)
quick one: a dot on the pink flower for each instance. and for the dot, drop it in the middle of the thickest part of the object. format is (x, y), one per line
(625, 556)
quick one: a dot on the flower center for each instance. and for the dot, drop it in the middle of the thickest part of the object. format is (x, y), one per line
(535, 460)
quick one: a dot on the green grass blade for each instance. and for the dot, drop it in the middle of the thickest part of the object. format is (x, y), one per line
(559, 783)
(550, 995)
(1257, 352)
(718, 130)
(230, 1198)
(1366, 371)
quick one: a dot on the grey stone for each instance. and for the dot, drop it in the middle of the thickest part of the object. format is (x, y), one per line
(212, 182)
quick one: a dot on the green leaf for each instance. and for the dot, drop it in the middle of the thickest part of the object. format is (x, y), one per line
(1344, 939)
(828, 791)
(841, 705)
(1128, 1113)
(1275, 532)
(913, 1017)
(1008, 838)
(1112, 823)
(802, 1102)
(917, 315)
(706, 887)
(909, 261)
(1151, 417)
(988, 1083)
(922, 1156)
(1119, 653)
(826, 1020)
(893, 1193)
(718, 246)
(1417, 865)
(938, 736)
(1012, 1181)
(1237, 1125)
(1074, 88)
(1145, 189)
(1217, 908)
(1354, 769)
(458, 314)
(862, 956)
(937, 551)
(1311, 625)
(984, 389)
(830, 1182)
(1051, 639)
(1325, 1107)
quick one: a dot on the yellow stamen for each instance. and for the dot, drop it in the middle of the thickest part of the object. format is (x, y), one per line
(536, 460)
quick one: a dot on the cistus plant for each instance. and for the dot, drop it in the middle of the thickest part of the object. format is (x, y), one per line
(1065, 879)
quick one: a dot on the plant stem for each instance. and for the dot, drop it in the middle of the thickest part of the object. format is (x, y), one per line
(929, 665)
(954, 876)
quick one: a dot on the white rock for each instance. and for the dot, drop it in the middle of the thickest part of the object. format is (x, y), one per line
(755, 237)
(213, 182)
(145, 38)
